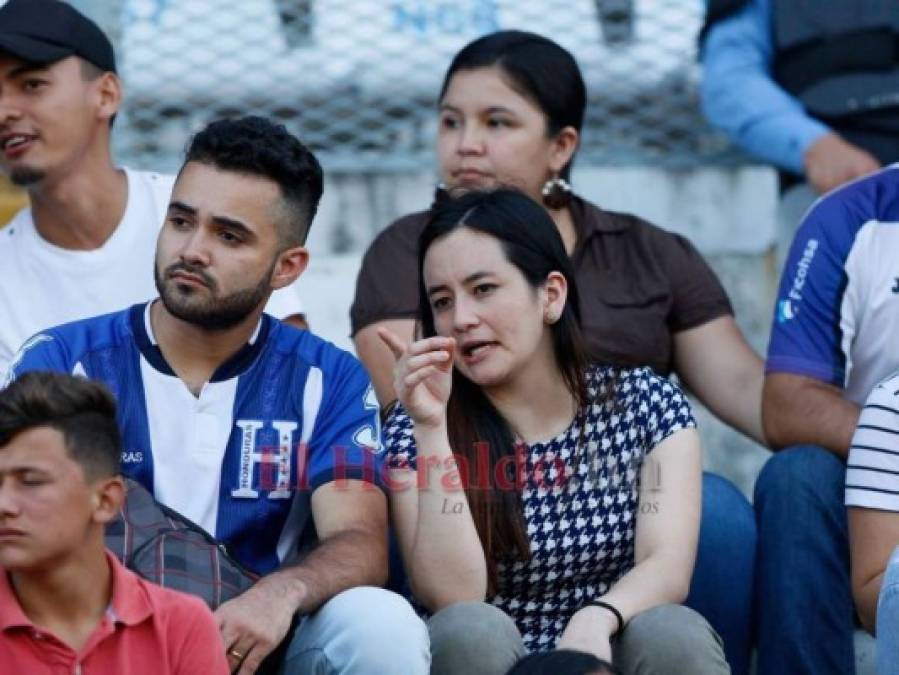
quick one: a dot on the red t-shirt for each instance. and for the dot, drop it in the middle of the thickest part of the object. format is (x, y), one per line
(147, 630)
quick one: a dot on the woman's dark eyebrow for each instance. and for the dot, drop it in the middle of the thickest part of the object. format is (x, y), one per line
(491, 110)
(475, 276)
(470, 279)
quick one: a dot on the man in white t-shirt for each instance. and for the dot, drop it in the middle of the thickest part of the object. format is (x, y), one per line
(85, 246)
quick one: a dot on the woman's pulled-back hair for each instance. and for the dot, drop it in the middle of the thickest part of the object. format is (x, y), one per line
(537, 68)
(532, 244)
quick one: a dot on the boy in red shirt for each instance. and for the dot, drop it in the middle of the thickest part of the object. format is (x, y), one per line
(66, 604)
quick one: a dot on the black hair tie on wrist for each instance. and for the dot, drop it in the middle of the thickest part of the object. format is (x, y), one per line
(614, 610)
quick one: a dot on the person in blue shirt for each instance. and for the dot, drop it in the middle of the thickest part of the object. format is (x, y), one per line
(263, 434)
(811, 88)
(806, 86)
(748, 92)
(832, 341)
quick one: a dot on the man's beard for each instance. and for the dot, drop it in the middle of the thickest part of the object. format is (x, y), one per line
(213, 313)
(25, 176)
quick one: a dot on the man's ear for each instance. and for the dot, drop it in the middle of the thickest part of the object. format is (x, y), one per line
(109, 495)
(290, 265)
(109, 95)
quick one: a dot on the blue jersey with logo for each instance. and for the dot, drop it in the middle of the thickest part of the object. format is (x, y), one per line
(837, 308)
(286, 414)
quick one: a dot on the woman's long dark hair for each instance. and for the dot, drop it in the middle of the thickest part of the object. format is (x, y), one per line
(537, 68)
(532, 243)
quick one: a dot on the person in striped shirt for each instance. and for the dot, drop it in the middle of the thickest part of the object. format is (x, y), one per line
(872, 498)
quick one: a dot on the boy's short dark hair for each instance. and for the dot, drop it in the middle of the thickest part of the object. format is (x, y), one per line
(82, 410)
(568, 661)
(257, 146)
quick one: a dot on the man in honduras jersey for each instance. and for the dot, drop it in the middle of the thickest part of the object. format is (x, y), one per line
(832, 340)
(265, 435)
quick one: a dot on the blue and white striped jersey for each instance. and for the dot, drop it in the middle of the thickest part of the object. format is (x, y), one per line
(286, 414)
(837, 311)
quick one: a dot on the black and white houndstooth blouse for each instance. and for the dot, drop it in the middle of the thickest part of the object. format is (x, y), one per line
(581, 523)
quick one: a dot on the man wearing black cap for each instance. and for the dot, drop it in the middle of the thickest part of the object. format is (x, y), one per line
(85, 246)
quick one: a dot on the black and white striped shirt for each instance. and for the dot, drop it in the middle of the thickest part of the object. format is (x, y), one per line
(872, 474)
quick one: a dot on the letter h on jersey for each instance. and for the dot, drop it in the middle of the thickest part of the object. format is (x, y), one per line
(250, 456)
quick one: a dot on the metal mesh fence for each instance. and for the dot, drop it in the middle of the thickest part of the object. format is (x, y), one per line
(357, 79)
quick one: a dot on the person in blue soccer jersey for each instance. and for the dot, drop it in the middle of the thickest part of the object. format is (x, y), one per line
(265, 435)
(832, 341)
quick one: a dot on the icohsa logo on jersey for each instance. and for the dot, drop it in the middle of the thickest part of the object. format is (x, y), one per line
(785, 311)
(788, 307)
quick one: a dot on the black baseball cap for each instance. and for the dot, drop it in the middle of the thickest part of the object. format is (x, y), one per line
(44, 31)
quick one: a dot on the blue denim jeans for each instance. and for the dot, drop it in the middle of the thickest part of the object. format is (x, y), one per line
(888, 619)
(361, 631)
(721, 589)
(804, 606)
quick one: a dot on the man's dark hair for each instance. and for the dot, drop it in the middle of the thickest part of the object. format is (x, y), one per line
(256, 146)
(566, 661)
(82, 410)
(89, 72)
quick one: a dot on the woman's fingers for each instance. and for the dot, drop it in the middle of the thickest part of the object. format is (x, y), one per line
(417, 362)
(431, 344)
(399, 348)
(441, 356)
(394, 344)
(415, 378)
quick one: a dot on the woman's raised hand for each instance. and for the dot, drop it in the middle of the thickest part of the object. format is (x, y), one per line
(422, 375)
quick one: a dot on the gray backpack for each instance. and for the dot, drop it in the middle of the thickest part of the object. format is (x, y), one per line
(164, 547)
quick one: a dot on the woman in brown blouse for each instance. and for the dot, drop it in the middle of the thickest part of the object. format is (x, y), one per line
(510, 113)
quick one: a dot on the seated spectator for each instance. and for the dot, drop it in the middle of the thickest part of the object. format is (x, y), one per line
(806, 86)
(511, 110)
(872, 495)
(832, 340)
(65, 602)
(85, 245)
(565, 661)
(826, 123)
(580, 511)
(266, 436)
